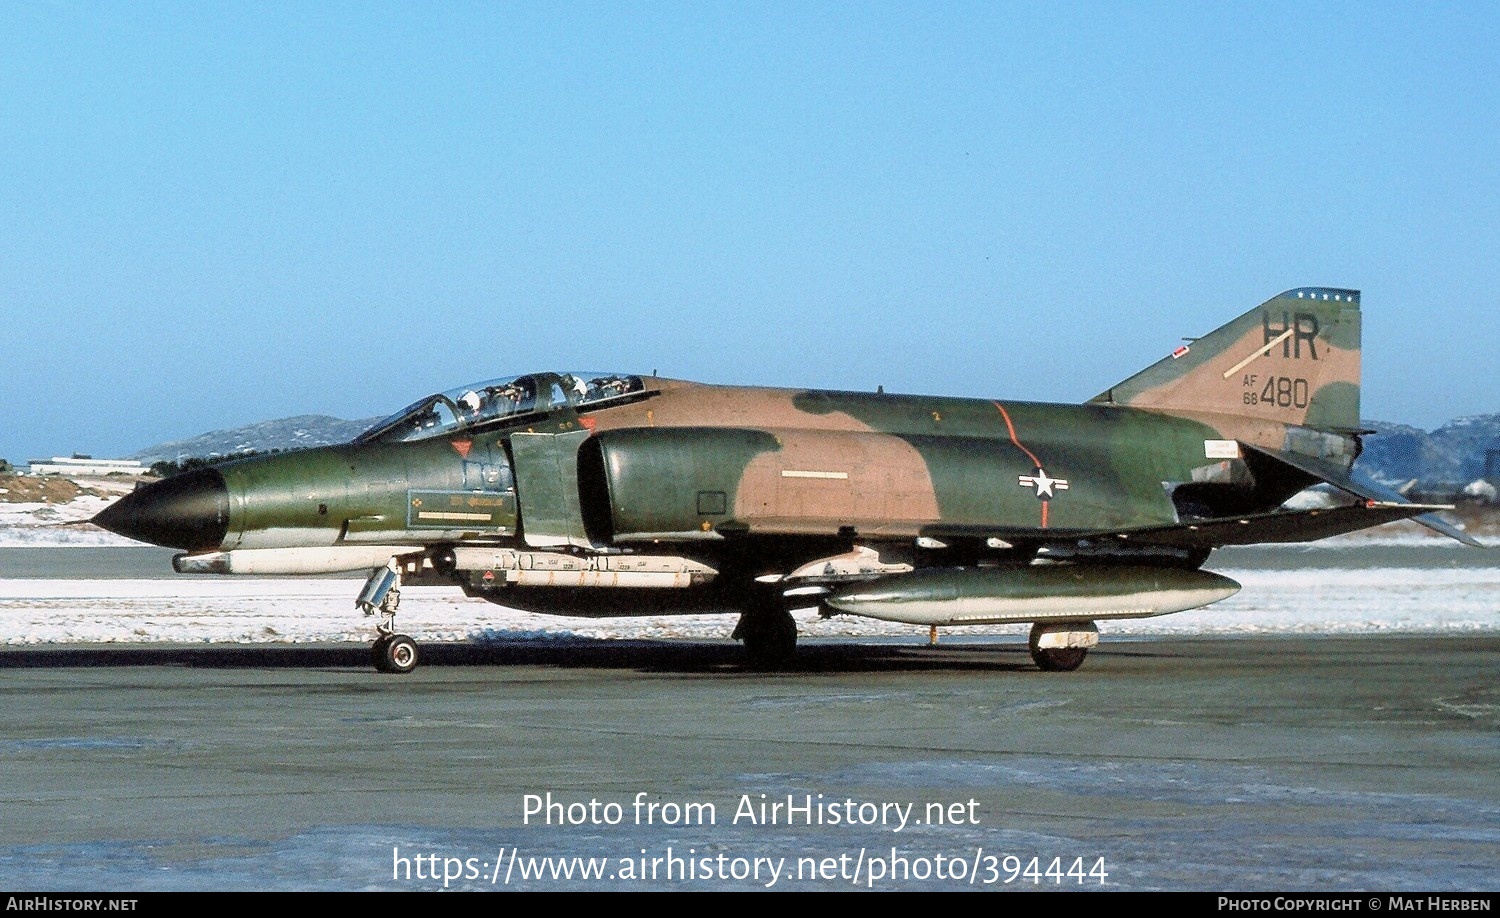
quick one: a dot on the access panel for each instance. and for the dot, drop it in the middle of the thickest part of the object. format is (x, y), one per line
(546, 467)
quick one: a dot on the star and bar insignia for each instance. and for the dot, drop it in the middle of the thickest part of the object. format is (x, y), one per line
(1045, 485)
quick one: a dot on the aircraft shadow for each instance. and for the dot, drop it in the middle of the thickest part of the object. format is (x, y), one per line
(680, 657)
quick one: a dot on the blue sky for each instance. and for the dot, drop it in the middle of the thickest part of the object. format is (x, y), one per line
(215, 214)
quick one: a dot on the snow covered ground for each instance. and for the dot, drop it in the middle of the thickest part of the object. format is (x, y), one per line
(42, 524)
(190, 610)
(1313, 595)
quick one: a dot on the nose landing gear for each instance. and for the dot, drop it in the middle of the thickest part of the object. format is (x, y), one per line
(394, 653)
(391, 652)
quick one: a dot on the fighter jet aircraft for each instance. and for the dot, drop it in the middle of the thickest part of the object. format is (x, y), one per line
(610, 494)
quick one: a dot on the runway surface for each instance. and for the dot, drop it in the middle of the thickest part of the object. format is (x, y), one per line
(1248, 763)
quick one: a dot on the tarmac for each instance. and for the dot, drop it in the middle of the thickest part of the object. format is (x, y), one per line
(1264, 763)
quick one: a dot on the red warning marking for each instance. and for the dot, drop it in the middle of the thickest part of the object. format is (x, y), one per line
(462, 447)
(1179, 352)
(587, 422)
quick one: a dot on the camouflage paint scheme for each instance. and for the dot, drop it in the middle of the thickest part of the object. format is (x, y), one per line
(1199, 450)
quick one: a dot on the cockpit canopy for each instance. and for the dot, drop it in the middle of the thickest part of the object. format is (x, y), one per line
(494, 400)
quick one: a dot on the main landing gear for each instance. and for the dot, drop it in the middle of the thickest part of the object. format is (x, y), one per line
(1059, 647)
(769, 633)
(391, 652)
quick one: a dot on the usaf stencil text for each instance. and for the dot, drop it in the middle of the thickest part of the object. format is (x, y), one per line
(749, 810)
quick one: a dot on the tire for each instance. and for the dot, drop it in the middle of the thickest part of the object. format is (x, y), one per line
(1055, 659)
(770, 638)
(377, 653)
(1059, 660)
(395, 654)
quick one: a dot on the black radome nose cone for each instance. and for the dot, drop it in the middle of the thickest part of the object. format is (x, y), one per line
(188, 511)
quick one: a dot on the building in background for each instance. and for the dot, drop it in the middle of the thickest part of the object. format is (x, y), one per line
(82, 466)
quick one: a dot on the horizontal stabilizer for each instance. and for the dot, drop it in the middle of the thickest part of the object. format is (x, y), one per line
(1365, 487)
(1279, 526)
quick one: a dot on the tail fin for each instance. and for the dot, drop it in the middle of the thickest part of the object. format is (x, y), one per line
(1293, 359)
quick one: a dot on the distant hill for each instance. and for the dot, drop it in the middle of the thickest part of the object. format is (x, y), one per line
(1452, 454)
(299, 432)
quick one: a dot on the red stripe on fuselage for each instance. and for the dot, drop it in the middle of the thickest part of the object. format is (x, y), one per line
(1035, 462)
